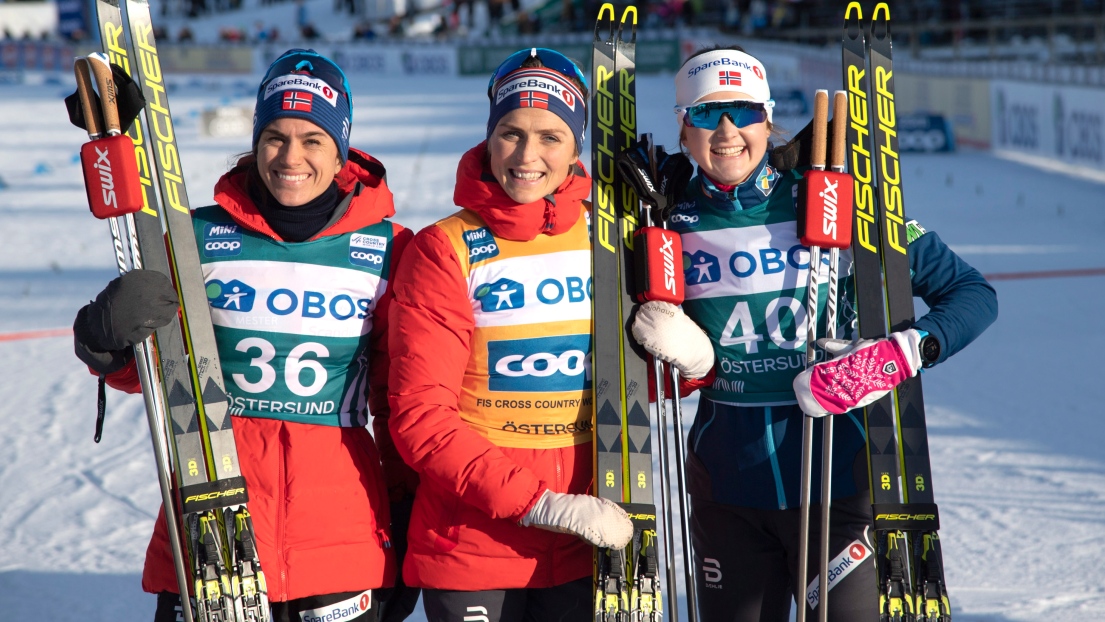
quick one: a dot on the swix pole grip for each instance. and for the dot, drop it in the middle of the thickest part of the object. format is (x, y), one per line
(658, 265)
(825, 197)
(109, 164)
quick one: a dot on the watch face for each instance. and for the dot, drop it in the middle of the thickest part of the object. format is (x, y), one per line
(930, 349)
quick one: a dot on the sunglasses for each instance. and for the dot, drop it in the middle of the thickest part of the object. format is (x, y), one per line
(551, 59)
(312, 63)
(708, 115)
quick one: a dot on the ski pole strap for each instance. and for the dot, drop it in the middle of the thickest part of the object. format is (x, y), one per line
(101, 407)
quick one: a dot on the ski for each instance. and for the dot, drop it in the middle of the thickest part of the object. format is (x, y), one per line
(931, 603)
(891, 549)
(225, 573)
(627, 581)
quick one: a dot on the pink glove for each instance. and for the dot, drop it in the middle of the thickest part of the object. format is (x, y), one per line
(866, 371)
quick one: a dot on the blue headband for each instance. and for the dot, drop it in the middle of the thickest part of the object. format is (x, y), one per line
(537, 87)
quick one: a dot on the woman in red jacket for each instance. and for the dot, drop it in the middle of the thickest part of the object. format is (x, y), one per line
(300, 235)
(490, 384)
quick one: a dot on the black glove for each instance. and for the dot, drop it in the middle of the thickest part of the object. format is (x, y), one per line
(673, 171)
(128, 99)
(129, 309)
(797, 152)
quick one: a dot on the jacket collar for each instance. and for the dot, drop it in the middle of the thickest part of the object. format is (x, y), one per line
(479, 191)
(755, 191)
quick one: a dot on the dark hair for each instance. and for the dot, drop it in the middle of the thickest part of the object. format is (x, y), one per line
(713, 48)
(534, 63)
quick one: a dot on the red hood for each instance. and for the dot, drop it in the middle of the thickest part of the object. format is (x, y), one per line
(369, 206)
(480, 192)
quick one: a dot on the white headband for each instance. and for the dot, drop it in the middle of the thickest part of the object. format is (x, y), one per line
(722, 70)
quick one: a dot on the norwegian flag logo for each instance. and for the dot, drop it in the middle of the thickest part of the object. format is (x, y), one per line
(729, 78)
(297, 100)
(534, 99)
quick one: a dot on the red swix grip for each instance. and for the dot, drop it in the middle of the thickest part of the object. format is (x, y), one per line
(658, 261)
(825, 209)
(111, 176)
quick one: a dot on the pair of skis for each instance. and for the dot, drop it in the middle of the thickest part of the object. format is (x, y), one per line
(908, 559)
(186, 401)
(627, 583)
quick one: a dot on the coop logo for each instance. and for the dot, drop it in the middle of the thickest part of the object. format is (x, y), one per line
(221, 239)
(367, 251)
(348, 609)
(700, 268)
(481, 245)
(1079, 134)
(543, 364)
(685, 216)
(231, 296)
(502, 295)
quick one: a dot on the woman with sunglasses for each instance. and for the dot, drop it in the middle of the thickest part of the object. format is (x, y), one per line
(740, 338)
(297, 254)
(490, 344)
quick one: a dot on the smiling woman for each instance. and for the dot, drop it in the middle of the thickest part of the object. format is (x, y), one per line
(491, 343)
(297, 255)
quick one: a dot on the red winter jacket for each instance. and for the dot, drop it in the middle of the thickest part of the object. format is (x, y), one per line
(317, 494)
(464, 532)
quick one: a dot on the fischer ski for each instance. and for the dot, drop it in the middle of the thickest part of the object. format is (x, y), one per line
(907, 558)
(626, 581)
(931, 603)
(224, 571)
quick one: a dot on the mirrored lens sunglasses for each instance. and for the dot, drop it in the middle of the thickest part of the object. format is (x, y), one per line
(551, 59)
(708, 115)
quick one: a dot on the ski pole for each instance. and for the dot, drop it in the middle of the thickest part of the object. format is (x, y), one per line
(662, 437)
(839, 134)
(820, 116)
(684, 511)
(101, 116)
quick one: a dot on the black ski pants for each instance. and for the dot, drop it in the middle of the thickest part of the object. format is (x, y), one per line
(746, 561)
(342, 607)
(570, 602)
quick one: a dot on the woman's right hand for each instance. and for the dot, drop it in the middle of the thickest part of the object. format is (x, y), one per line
(127, 311)
(668, 334)
(598, 521)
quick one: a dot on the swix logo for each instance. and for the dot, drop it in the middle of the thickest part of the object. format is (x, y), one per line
(711, 570)
(829, 215)
(221, 239)
(560, 363)
(231, 296)
(502, 295)
(481, 245)
(701, 267)
(669, 261)
(107, 180)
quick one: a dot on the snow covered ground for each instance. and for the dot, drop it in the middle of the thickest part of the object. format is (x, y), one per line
(1015, 436)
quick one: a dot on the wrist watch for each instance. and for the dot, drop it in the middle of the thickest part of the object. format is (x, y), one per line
(929, 349)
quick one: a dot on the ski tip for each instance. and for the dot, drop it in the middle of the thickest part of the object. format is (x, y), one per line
(880, 22)
(884, 8)
(627, 12)
(857, 7)
(604, 23)
(607, 7)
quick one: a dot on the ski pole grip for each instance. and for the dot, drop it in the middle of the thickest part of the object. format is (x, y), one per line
(840, 130)
(90, 106)
(101, 69)
(820, 119)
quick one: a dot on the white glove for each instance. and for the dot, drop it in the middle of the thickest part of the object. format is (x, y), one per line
(669, 335)
(598, 521)
(866, 371)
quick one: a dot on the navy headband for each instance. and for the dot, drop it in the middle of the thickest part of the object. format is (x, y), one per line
(538, 87)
